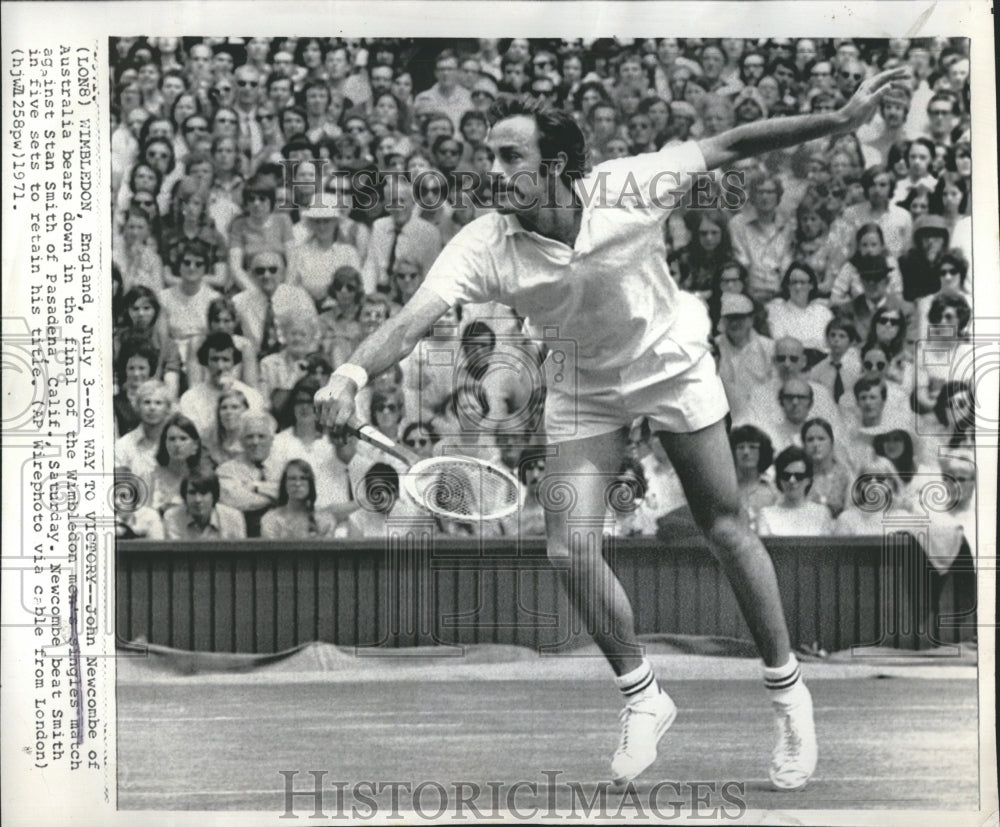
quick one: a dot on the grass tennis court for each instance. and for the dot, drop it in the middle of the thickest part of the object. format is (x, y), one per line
(896, 743)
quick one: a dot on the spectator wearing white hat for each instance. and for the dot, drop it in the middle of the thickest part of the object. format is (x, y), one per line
(745, 357)
(311, 264)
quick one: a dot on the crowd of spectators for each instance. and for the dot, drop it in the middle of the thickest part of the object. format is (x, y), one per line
(238, 290)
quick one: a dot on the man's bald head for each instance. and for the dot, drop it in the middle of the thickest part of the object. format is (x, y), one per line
(789, 357)
(796, 398)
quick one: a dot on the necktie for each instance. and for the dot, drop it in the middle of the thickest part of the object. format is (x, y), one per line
(838, 383)
(385, 287)
(269, 342)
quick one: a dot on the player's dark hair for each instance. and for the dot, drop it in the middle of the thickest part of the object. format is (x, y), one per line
(557, 132)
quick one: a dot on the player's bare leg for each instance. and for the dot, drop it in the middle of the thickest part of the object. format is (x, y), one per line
(704, 464)
(574, 542)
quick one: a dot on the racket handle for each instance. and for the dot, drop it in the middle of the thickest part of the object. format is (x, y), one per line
(373, 436)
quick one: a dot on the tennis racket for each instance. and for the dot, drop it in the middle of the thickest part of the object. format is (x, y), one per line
(460, 488)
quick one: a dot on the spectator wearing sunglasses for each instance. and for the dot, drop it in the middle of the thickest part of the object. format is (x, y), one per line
(185, 304)
(888, 332)
(794, 514)
(299, 435)
(875, 494)
(876, 364)
(261, 227)
(789, 362)
(189, 221)
(797, 402)
(448, 153)
(432, 189)
(340, 327)
(193, 136)
(942, 115)
(248, 82)
(266, 299)
(313, 262)
(421, 438)
(268, 150)
(874, 274)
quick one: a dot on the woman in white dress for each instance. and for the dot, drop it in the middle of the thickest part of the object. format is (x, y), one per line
(794, 514)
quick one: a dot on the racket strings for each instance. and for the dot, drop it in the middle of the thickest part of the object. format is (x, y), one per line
(459, 489)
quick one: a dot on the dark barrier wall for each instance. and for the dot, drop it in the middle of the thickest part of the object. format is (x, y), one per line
(265, 596)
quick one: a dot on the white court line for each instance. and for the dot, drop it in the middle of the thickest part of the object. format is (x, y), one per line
(562, 786)
(525, 713)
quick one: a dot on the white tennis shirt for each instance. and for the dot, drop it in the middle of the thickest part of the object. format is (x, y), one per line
(611, 293)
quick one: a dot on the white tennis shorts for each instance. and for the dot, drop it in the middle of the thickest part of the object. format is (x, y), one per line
(675, 385)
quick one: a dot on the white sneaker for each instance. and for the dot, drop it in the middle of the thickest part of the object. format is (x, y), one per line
(643, 725)
(794, 758)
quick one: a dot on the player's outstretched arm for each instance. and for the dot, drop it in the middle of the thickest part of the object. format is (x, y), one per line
(762, 136)
(392, 341)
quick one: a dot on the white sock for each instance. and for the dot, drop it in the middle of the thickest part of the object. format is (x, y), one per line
(639, 684)
(783, 682)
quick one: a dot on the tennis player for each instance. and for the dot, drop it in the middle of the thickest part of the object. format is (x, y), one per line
(584, 257)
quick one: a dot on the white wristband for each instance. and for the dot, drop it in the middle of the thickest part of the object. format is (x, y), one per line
(357, 374)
